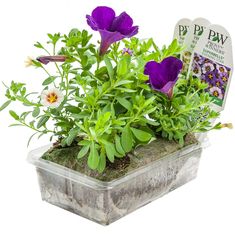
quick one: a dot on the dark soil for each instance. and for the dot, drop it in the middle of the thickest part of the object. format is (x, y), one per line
(141, 156)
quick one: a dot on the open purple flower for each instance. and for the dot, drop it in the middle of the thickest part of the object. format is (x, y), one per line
(111, 28)
(127, 51)
(163, 75)
(55, 58)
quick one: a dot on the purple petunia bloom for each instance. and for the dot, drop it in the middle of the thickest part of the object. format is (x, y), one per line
(111, 28)
(55, 58)
(163, 75)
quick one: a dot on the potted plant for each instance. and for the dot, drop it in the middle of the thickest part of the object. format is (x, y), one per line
(123, 116)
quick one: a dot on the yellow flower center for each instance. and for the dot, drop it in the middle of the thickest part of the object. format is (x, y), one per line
(224, 78)
(52, 97)
(210, 76)
(221, 69)
(208, 68)
(195, 70)
(215, 93)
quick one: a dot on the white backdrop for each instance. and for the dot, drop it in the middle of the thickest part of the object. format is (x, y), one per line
(206, 205)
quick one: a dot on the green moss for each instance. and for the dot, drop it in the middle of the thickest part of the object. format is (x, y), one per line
(141, 156)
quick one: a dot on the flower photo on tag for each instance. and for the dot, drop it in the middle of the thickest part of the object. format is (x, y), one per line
(214, 74)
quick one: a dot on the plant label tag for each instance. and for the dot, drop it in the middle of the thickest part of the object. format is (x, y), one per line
(181, 30)
(196, 30)
(213, 63)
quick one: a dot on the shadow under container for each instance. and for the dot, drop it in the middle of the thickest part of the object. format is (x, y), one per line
(155, 170)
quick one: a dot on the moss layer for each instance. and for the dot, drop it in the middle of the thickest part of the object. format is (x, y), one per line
(141, 156)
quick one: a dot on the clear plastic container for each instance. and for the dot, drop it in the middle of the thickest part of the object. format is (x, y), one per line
(105, 202)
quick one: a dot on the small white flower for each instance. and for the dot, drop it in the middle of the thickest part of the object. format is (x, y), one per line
(28, 62)
(207, 67)
(52, 98)
(216, 92)
(227, 125)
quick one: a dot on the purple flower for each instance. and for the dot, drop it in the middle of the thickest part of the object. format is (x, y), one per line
(56, 58)
(163, 75)
(197, 58)
(196, 69)
(127, 51)
(224, 77)
(210, 77)
(221, 69)
(207, 67)
(111, 28)
(216, 92)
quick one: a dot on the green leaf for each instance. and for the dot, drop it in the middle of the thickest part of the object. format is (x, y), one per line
(36, 63)
(49, 80)
(125, 90)
(109, 66)
(4, 105)
(31, 138)
(141, 135)
(119, 146)
(84, 142)
(72, 135)
(14, 125)
(149, 101)
(14, 115)
(121, 82)
(102, 120)
(151, 122)
(38, 45)
(72, 109)
(125, 103)
(93, 158)
(122, 66)
(54, 38)
(42, 121)
(36, 112)
(102, 162)
(84, 150)
(181, 141)
(127, 139)
(81, 115)
(110, 150)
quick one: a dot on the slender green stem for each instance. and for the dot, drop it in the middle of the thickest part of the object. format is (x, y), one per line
(67, 84)
(40, 131)
(46, 51)
(57, 67)
(46, 71)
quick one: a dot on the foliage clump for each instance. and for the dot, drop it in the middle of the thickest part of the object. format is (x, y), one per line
(107, 105)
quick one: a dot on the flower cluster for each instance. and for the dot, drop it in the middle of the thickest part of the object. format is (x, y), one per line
(214, 74)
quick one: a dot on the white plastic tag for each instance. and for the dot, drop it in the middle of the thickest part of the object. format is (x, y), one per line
(181, 30)
(196, 30)
(212, 61)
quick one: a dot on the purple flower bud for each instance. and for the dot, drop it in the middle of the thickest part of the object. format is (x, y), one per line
(56, 58)
(111, 28)
(163, 75)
